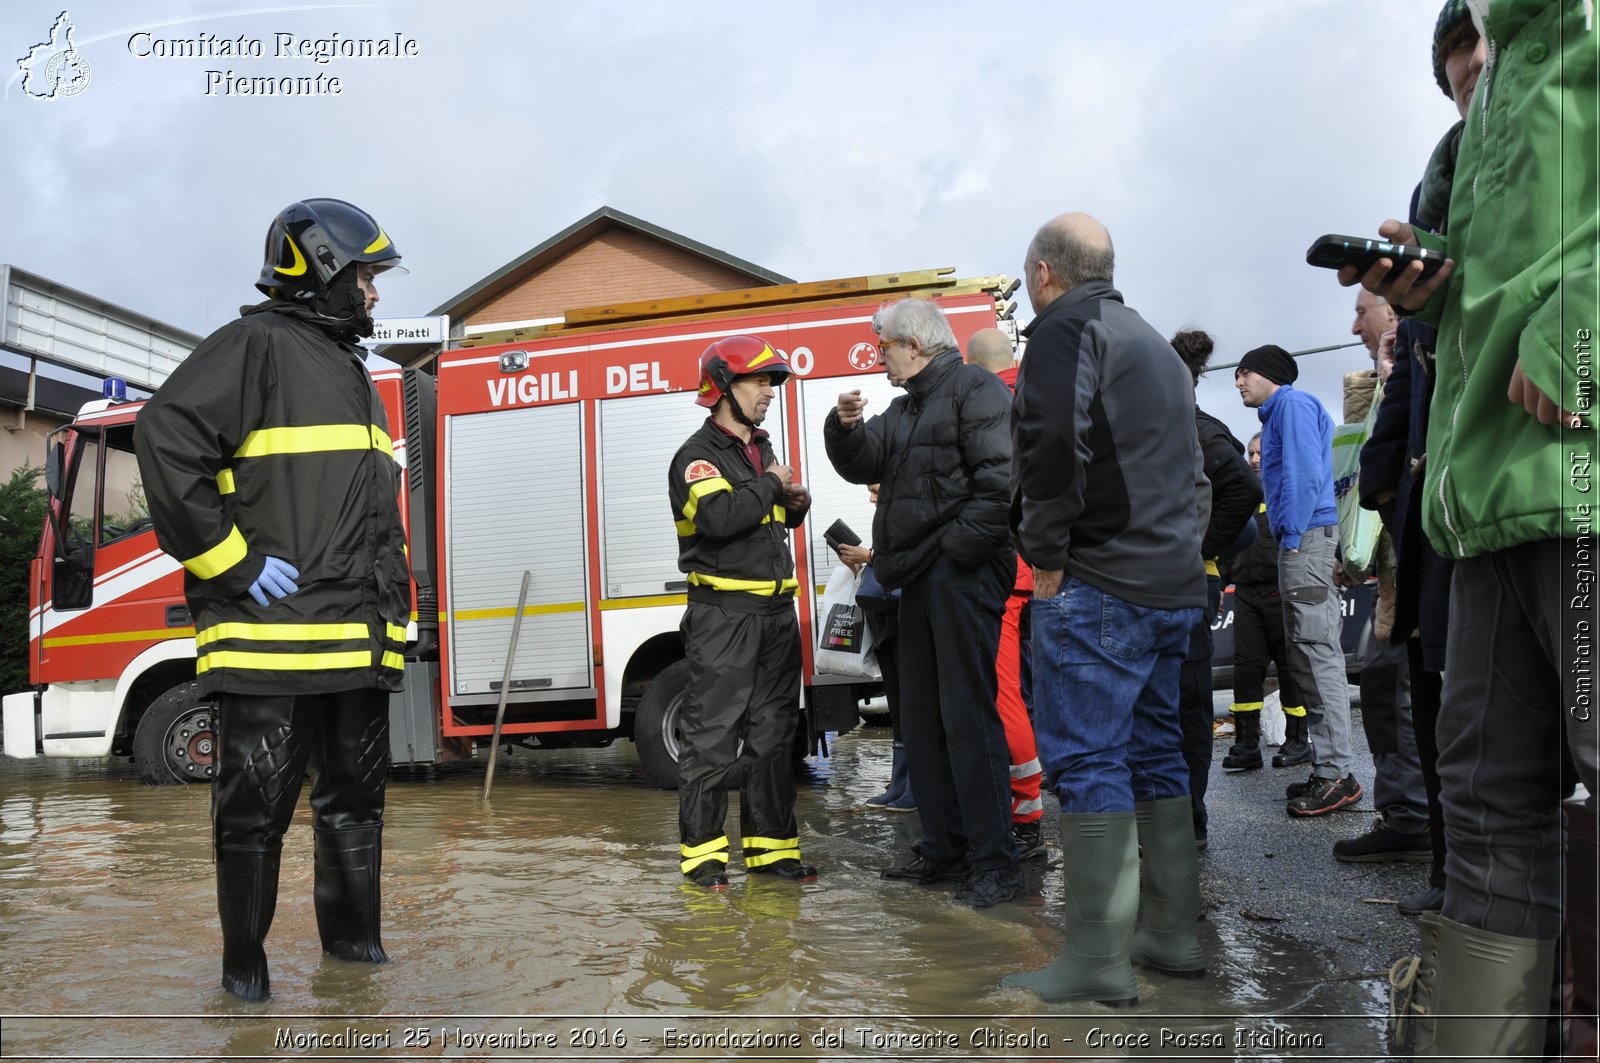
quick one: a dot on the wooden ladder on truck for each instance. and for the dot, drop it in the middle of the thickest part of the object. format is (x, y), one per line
(710, 306)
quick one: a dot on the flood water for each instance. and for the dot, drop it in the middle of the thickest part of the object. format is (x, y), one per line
(550, 923)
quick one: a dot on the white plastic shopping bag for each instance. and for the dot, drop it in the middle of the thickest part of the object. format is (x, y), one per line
(1273, 723)
(844, 639)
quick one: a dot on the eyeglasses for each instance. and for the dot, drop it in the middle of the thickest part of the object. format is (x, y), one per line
(884, 345)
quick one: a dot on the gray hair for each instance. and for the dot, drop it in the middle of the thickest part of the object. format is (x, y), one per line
(1070, 260)
(915, 319)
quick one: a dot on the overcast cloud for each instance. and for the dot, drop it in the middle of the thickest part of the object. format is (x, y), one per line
(819, 140)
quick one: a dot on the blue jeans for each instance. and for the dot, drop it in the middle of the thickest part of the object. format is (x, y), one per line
(1105, 688)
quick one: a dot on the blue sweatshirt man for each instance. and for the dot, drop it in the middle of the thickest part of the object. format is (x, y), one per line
(1297, 478)
(1296, 464)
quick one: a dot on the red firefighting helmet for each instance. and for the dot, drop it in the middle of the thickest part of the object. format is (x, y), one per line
(734, 357)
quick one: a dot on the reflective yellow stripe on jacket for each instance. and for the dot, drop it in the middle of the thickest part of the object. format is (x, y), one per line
(686, 526)
(314, 439)
(288, 647)
(767, 587)
(217, 560)
(699, 489)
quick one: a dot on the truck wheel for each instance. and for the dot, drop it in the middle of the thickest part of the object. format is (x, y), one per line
(655, 724)
(176, 740)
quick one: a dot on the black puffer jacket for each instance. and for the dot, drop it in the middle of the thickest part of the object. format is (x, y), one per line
(942, 455)
(1235, 491)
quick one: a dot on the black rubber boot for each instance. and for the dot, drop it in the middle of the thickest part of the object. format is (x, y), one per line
(247, 895)
(792, 870)
(1295, 748)
(347, 894)
(899, 781)
(1246, 752)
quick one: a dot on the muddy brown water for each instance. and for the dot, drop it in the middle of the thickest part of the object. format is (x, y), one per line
(550, 924)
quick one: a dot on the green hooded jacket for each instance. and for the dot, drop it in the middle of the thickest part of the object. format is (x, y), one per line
(1523, 230)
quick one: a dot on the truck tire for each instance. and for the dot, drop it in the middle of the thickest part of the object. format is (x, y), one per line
(658, 735)
(175, 741)
(655, 725)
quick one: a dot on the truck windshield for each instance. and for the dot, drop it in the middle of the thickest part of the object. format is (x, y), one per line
(123, 509)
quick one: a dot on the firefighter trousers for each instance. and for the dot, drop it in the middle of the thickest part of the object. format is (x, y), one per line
(743, 687)
(265, 744)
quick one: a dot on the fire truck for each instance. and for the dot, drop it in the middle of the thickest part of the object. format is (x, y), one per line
(540, 451)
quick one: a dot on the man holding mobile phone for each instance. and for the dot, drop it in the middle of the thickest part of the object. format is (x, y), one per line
(1508, 495)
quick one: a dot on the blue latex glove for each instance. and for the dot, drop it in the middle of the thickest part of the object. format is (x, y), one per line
(277, 579)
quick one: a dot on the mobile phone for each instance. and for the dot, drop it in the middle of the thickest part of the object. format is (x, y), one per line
(1333, 251)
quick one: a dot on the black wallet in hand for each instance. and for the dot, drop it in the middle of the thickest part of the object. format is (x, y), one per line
(839, 534)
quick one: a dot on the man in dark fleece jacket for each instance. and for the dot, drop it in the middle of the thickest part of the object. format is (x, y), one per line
(942, 459)
(1109, 501)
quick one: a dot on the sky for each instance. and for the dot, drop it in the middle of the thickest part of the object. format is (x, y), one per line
(1216, 141)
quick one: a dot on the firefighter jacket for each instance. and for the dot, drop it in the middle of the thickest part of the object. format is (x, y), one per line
(733, 526)
(270, 440)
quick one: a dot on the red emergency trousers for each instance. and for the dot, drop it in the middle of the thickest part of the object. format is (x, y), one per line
(1026, 806)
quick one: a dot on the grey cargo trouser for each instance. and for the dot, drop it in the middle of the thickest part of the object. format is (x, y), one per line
(1312, 620)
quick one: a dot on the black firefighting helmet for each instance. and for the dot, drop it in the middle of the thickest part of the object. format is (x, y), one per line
(309, 242)
(728, 359)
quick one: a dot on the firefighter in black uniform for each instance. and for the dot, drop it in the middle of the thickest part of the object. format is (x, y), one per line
(270, 474)
(734, 504)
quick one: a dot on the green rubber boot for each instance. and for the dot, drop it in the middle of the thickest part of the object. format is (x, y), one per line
(1100, 866)
(1472, 994)
(1170, 885)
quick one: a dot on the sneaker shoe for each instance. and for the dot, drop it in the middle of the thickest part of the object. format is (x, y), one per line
(1385, 845)
(1429, 900)
(790, 869)
(710, 875)
(1325, 795)
(925, 872)
(1029, 839)
(1295, 789)
(985, 889)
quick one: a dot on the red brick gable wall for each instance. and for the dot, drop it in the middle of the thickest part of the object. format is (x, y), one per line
(619, 265)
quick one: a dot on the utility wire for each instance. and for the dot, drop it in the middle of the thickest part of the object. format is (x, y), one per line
(1293, 354)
